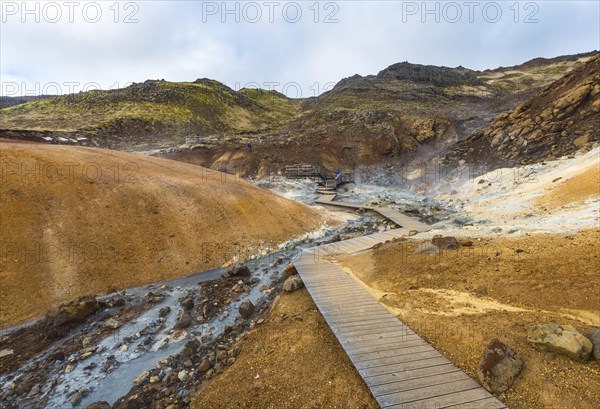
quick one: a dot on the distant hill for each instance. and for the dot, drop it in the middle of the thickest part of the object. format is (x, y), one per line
(152, 112)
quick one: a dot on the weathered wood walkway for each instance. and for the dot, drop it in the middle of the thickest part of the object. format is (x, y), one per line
(399, 367)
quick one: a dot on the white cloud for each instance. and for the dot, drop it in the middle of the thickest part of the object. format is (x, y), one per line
(172, 41)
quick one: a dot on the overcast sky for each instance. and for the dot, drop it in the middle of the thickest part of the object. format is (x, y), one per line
(274, 44)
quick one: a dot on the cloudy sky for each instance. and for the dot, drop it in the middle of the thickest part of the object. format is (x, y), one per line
(300, 48)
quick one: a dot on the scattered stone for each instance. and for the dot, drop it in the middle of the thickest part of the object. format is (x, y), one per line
(560, 339)
(205, 365)
(222, 355)
(290, 270)
(184, 321)
(78, 396)
(498, 367)
(246, 308)
(117, 302)
(187, 303)
(123, 348)
(142, 378)
(292, 284)
(112, 323)
(154, 298)
(466, 243)
(427, 248)
(238, 270)
(182, 375)
(413, 232)
(445, 243)
(164, 311)
(6, 352)
(72, 312)
(594, 337)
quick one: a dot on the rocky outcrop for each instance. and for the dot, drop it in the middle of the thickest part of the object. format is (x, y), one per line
(557, 121)
(560, 339)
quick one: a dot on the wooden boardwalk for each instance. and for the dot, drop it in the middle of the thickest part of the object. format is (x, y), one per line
(399, 367)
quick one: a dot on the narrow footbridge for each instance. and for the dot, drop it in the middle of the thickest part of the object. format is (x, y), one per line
(398, 366)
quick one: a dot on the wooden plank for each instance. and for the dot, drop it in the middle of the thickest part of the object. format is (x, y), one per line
(400, 386)
(427, 353)
(441, 394)
(411, 374)
(442, 401)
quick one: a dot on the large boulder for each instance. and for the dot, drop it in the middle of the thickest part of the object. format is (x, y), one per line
(292, 283)
(246, 308)
(72, 312)
(498, 367)
(594, 337)
(560, 339)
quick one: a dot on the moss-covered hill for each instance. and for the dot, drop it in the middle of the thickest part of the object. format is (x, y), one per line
(153, 111)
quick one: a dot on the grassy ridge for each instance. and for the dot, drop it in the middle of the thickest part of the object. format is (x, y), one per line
(155, 106)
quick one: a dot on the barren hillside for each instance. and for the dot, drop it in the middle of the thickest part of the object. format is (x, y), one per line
(80, 221)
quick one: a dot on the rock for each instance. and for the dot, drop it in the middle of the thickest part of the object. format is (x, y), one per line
(292, 284)
(413, 232)
(246, 308)
(182, 375)
(187, 303)
(290, 270)
(594, 337)
(6, 352)
(142, 378)
(117, 302)
(98, 405)
(445, 243)
(427, 248)
(205, 365)
(222, 355)
(466, 243)
(154, 298)
(164, 311)
(123, 348)
(184, 321)
(72, 312)
(560, 339)
(112, 323)
(78, 396)
(238, 270)
(498, 367)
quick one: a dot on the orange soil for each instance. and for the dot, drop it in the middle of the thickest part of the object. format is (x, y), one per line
(291, 361)
(461, 300)
(77, 221)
